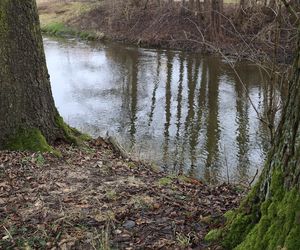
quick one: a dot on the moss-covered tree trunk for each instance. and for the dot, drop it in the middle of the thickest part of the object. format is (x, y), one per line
(269, 218)
(27, 112)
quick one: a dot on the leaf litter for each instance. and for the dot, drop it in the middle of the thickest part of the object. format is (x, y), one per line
(92, 198)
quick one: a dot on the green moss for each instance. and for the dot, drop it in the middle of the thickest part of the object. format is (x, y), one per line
(32, 139)
(240, 222)
(238, 229)
(29, 139)
(84, 137)
(213, 235)
(71, 134)
(229, 215)
(3, 15)
(278, 226)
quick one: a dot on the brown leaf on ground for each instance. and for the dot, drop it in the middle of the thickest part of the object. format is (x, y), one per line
(90, 198)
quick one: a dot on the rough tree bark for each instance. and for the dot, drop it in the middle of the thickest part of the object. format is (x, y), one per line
(216, 17)
(29, 119)
(207, 12)
(269, 218)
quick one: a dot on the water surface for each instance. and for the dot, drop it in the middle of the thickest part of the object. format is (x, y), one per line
(186, 112)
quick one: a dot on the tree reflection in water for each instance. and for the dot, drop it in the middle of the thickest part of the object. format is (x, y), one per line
(186, 112)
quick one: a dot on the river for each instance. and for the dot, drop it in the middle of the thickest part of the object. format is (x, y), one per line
(185, 112)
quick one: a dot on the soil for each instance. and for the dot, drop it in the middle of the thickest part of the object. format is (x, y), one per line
(92, 198)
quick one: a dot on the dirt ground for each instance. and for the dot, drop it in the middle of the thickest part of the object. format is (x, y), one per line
(91, 198)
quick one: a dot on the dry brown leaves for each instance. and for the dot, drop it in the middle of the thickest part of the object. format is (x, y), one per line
(92, 199)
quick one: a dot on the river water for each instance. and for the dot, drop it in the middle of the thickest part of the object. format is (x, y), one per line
(185, 112)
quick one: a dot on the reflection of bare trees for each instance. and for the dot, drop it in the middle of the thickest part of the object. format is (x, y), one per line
(188, 124)
(178, 164)
(242, 133)
(168, 113)
(133, 82)
(192, 84)
(202, 117)
(156, 83)
(199, 98)
(127, 62)
(212, 125)
(182, 107)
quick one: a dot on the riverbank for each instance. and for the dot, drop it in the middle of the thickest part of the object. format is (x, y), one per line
(92, 198)
(167, 27)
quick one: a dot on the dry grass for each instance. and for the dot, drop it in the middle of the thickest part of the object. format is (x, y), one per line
(61, 11)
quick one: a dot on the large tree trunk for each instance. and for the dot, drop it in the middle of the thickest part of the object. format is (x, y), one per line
(207, 12)
(269, 218)
(26, 103)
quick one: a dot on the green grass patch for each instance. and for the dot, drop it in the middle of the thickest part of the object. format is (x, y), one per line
(58, 29)
(165, 181)
(61, 30)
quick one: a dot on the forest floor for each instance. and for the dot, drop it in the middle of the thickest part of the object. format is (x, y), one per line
(162, 27)
(91, 198)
